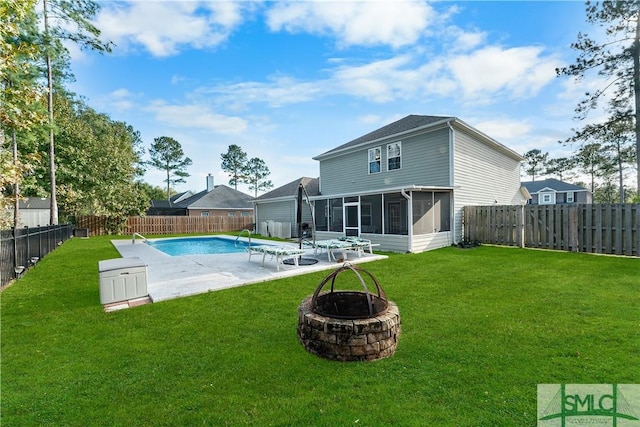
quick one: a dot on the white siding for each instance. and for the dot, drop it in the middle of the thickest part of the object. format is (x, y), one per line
(389, 242)
(482, 176)
(427, 242)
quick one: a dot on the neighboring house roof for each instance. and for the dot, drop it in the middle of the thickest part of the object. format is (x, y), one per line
(289, 190)
(163, 204)
(221, 197)
(180, 196)
(415, 122)
(34, 203)
(552, 184)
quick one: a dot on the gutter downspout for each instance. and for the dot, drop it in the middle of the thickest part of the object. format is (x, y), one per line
(452, 183)
(409, 217)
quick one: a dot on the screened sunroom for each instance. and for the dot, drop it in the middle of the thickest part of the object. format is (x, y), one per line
(404, 220)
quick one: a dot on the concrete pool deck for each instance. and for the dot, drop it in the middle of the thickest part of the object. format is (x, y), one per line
(171, 277)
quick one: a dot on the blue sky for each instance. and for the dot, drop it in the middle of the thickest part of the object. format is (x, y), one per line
(287, 81)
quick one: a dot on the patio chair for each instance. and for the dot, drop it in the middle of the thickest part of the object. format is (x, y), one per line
(359, 244)
(278, 252)
(330, 245)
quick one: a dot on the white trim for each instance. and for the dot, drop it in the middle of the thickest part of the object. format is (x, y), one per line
(379, 160)
(383, 191)
(546, 190)
(552, 198)
(399, 156)
(566, 197)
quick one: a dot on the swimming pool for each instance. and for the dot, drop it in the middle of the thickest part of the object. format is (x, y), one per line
(199, 246)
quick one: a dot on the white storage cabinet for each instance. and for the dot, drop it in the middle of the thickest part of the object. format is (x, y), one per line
(122, 279)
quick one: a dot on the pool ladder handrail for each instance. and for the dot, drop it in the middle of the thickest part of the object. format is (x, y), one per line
(133, 238)
(240, 234)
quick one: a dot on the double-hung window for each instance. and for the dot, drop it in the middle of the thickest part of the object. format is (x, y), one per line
(570, 198)
(394, 156)
(547, 198)
(374, 160)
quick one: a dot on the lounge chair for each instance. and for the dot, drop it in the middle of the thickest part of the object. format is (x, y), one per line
(332, 246)
(359, 244)
(278, 252)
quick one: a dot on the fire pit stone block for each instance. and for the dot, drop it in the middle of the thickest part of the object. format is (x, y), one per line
(349, 340)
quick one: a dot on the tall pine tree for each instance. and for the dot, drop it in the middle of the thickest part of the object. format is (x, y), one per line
(167, 155)
(617, 59)
(65, 20)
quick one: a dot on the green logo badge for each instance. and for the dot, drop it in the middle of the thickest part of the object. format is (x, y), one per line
(616, 405)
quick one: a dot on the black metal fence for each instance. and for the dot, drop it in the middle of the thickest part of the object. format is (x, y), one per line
(23, 247)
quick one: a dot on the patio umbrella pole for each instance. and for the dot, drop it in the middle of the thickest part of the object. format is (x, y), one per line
(301, 260)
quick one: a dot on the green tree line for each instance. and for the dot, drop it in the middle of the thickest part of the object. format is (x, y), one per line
(52, 144)
(607, 149)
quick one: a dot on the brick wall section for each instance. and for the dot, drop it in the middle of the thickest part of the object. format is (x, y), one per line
(349, 340)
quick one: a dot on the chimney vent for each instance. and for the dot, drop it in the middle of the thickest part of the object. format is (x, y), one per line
(209, 182)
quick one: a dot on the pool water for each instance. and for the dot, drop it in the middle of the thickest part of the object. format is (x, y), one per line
(199, 246)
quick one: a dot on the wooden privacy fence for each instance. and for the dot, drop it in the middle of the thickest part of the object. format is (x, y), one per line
(601, 228)
(168, 224)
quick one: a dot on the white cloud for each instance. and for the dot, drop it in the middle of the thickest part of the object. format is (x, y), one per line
(120, 100)
(163, 27)
(460, 40)
(510, 73)
(481, 76)
(276, 92)
(369, 118)
(393, 23)
(196, 116)
(378, 81)
(504, 130)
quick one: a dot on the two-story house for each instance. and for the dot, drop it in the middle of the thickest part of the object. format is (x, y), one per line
(404, 185)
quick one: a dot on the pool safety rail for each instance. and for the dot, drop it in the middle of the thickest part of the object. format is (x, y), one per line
(133, 238)
(240, 234)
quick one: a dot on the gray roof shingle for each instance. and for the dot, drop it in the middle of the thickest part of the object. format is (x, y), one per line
(221, 197)
(35, 203)
(410, 122)
(291, 189)
(555, 184)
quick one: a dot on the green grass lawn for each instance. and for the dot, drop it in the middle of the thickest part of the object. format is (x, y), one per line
(481, 328)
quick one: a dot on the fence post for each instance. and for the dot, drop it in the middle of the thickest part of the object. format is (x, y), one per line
(15, 251)
(521, 226)
(574, 230)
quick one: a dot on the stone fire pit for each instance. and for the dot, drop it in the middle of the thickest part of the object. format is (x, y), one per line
(349, 325)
